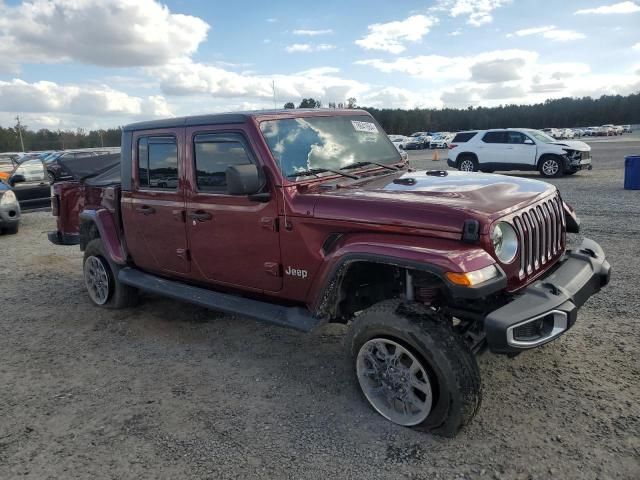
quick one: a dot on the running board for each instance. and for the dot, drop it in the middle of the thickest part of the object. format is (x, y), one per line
(292, 317)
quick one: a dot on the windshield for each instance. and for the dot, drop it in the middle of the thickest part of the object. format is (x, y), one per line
(305, 144)
(541, 136)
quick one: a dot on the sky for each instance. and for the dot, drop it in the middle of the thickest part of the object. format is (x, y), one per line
(103, 63)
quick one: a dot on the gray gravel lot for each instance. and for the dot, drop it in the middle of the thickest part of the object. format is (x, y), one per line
(167, 390)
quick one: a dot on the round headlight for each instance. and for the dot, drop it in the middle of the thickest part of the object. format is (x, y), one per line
(505, 242)
(8, 198)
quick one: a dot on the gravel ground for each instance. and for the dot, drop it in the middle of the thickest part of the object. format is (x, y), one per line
(167, 390)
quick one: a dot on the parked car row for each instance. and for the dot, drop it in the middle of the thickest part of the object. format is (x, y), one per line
(422, 140)
(26, 178)
(602, 131)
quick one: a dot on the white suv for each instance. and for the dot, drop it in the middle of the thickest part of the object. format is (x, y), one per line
(517, 149)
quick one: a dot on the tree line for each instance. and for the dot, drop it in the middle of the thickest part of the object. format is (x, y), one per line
(558, 113)
(45, 139)
(563, 112)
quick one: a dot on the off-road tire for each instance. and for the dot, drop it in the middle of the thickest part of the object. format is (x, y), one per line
(120, 295)
(545, 169)
(462, 162)
(453, 371)
(12, 230)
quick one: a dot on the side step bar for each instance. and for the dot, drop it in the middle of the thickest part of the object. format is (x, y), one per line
(293, 317)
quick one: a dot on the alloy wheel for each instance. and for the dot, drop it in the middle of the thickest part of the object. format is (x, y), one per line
(394, 381)
(466, 166)
(550, 167)
(96, 280)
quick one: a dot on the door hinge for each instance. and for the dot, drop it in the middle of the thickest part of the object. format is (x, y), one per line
(270, 223)
(273, 268)
(184, 254)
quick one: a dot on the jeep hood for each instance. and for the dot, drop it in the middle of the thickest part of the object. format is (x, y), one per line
(426, 201)
(573, 145)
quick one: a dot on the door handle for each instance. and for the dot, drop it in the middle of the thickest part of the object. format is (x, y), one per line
(146, 210)
(200, 216)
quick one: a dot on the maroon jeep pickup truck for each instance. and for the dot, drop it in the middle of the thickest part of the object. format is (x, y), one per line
(303, 217)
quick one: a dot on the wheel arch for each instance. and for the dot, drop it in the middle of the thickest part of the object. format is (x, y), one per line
(545, 155)
(101, 224)
(445, 256)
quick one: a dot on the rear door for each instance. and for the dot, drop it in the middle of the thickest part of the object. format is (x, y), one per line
(35, 191)
(519, 153)
(153, 212)
(232, 239)
(491, 147)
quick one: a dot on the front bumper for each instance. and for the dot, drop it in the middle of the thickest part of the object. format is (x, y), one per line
(548, 307)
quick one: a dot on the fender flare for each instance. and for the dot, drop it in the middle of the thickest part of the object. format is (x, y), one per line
(437, 261)
(108, 230)
(471, 154)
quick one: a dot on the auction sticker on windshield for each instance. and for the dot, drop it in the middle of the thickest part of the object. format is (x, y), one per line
(367, 127)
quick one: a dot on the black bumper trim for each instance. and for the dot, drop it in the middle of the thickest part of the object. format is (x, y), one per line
(582, 273)
(59, 238)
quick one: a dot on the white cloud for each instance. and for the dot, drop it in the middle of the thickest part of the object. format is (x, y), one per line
(455, 33)
(636, 47)
(109, 32)
(445, 68)
(272, 20)
(313, 33)
(534, 31)
(621, 7)
(187, 78)
(49, 97)
(478, 12)
(563, 35)
(392, 36)
(306, 47)
(550, 32)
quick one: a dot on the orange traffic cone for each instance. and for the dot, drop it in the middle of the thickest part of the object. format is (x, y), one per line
(435, 155)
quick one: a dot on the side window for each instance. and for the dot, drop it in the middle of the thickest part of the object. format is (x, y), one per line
(33, 170)
(213, 154)
(515, 137)
(158, 163)
(494, 137)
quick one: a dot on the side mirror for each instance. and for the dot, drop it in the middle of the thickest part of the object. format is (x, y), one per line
(17, 178)
(243, 180)
(528, 141)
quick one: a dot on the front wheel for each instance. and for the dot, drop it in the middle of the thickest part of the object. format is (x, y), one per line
(413, 369)
(551, 167)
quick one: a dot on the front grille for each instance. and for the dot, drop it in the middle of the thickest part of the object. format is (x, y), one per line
(541, 232)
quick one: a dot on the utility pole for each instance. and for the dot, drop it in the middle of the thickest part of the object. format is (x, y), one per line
(20, 132)
(101, 140)
(273, 86)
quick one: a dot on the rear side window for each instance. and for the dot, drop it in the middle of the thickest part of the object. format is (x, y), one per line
(158, 163)
(214, 153)
(463, 137)
(515, 137)
(495, 137)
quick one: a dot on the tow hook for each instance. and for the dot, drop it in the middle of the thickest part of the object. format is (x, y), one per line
(552, 288)
(589, 252)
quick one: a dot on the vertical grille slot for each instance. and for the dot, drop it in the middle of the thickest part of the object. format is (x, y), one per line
(541, 233)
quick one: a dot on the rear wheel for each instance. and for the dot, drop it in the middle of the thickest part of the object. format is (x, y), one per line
(101, 279)
(468, 164)
(551, 167)
(413, 368)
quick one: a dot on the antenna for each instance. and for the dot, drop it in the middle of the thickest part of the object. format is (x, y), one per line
(273, 86)
(20, 131)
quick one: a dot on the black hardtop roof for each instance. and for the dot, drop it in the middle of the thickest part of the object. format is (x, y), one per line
(231, 117)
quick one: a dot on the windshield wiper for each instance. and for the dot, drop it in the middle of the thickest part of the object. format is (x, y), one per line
(362, 164)
(316, 171)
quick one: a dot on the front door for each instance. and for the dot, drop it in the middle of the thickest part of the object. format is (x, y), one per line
(35, 191)
(519, 153)
(154, 211)
(232, 239)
